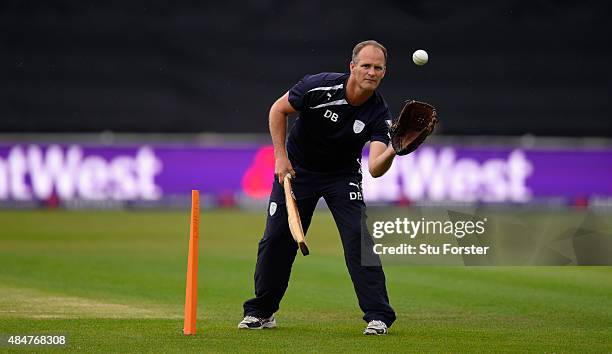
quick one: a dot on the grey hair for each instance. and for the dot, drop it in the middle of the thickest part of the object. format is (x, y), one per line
(364, 44)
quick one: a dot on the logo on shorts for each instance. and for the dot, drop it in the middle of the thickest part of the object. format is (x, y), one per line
(272, 208)
(355, 195)
(358, 126)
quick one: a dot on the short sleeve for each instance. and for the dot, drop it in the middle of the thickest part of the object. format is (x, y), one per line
(302, 95)
(380, 130)
(297, 94)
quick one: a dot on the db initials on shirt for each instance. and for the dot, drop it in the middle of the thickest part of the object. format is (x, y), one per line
(331, 115)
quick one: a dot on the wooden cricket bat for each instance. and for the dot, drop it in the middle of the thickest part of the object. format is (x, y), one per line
(295, 223)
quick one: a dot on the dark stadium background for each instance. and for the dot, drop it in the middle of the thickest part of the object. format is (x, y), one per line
(496, 68)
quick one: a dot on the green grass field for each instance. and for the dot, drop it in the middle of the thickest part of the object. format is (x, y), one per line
(114, 282)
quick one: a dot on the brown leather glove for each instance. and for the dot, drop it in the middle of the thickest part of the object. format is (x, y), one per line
(413, 125)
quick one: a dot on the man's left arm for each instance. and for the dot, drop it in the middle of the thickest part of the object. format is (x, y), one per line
(380, 158)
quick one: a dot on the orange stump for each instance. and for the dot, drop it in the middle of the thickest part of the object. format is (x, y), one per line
(191, 291)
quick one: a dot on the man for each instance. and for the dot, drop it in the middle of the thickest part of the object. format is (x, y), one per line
(339, 113)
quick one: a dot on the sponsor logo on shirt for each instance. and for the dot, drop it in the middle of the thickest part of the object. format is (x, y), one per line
(358, 126)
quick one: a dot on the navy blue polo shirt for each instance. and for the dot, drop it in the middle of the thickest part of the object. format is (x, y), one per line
(329, 134)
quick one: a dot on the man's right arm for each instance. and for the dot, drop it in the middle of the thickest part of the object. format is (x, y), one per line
(278, 131)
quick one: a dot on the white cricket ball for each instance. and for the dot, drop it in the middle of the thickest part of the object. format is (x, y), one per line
(420, 57)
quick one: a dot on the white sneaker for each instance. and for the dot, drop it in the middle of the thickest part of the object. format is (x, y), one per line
(252, 322)
(376, 327)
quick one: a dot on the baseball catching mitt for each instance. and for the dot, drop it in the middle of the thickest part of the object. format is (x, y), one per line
(413, 125)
